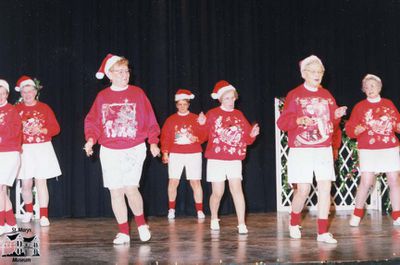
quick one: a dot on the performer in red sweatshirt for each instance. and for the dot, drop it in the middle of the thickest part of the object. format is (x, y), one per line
(38, 159)
(120, 120)
(229, 133)
(309, 116)
(374, 122)
(10, 148)
(181, 141)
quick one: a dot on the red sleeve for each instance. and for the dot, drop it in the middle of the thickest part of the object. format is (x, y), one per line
(288, 117)
(333, 108)
(166, 136)
(93, 122)
(397, 115)
(153, 129)
(52, 126)
(247, 130)
(354, 120)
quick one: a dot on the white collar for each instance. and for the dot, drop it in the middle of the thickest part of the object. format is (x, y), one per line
(5, 103)
(228, 110)
(183, 114)
(374, 100)
(313, 89)
(116, 88)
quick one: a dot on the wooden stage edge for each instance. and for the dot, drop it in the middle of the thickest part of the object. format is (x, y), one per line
(187, 240)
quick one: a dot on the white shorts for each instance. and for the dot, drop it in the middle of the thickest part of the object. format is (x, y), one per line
(381, 160)
(303, 162)
(122, 167)
(10, 163)
(220, 170)
(191, 163)
(39, 161)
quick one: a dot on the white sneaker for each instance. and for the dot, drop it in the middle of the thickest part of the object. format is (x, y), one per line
(214, 225)
(121, 238)
(242, 229)
(171, 214)
(326, 238)
(7, 229)
(1, 230)
(355, 220)
(200, 215)
(294, 231)
(44, 221)
(144, 233)
(397, 222)
(27, 217)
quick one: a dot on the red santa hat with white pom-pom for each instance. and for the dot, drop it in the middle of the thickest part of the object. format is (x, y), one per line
(4, 84)
(220, 88)
(105, 66)
(183, 94)
(24, 81)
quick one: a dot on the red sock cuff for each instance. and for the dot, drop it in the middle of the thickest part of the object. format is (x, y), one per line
(199, 206)
(44, 212)
(295, 218)
(124, 228)
(139, 219)
(359, 212)
(10, 217)
(322, 226)
(29, 207)
(171, 204)
(395, 214)
(2, 218)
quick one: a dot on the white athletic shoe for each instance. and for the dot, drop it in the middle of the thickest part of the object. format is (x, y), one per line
(1, 230)
(397, 222)
(200, 215)
(214, 225)
(355, 220)
(121, 238)
(44, 221)
(27, 217)
(242, 229)
(144, 233)
(326, 238)
(171, 214)
(7, 229)
(294, 231)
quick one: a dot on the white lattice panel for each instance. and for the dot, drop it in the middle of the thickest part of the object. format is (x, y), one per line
(343, 189)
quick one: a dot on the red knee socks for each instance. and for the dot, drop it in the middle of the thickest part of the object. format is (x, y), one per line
(44, 212)
(359, 212)
(322, 226)
(10, 217)
(199, 206)
(171, 204)
(29, 207)
(295, 218)
(395, 215)
(124, 228)
(139, 219)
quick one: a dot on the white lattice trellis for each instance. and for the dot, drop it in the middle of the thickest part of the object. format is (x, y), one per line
(19, 204)
(343, 190)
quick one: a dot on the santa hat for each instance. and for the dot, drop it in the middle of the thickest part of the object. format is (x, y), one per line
(4, 84)
(220, 88)
(24, 81)
(107, 63)
(310, 59)
(183, 94)
(374, 77)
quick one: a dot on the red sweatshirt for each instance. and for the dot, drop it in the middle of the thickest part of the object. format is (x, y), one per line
(38, 116)
(318, 105)
(379, 119)
(182, 134)
(121, 119)
(10, 129)
(228, 134)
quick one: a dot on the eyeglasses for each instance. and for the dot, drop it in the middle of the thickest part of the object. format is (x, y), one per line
(121, 72)
(314, 71)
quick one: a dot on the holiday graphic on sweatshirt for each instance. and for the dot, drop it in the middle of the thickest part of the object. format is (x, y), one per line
(2, 117)
(228, 135)
(184, 135)
(321, 128)
(380, 123)
(32, 123)
(119, 120)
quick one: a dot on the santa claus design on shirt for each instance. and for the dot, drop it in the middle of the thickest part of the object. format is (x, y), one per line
(119, 120)
(318, 110)
(31, 126)
(380, 121)
(184, 135)
(228, 132)
(2, 116)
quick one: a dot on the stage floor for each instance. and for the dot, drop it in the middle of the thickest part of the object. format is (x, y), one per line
(187, 241)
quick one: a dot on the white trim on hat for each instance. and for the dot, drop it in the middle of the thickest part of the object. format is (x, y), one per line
(183, 96)
(221, 91)
(371, 76)
(308, 60)
(25, 83)
(4, 84)
(110, 62)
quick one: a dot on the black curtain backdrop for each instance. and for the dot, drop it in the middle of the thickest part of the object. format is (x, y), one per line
(255, 45)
